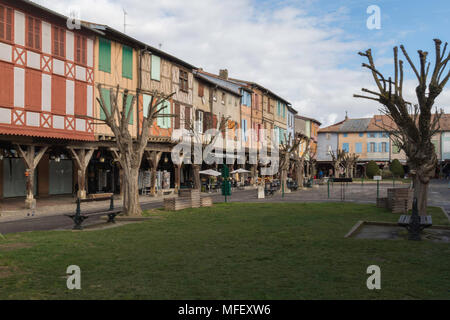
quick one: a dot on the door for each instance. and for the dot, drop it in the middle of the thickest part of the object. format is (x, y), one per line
(60, 177)
(14, 180)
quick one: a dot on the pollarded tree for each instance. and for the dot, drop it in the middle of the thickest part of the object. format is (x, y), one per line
(337, 159)
(299, 160)
(130, 149)
(349, 161)
(287, 150)
(414, 126)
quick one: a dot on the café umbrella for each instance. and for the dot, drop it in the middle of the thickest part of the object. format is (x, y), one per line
(210, 172)
(240, 170)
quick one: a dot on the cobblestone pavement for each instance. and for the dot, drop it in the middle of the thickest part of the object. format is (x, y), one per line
(50, 218)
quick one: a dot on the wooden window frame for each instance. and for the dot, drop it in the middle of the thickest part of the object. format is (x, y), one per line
(34, 33)
(4, 24)
(59, 44)
(201, 90)
(83, 49)
(184, 80)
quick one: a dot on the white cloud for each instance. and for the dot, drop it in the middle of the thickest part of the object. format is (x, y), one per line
(297, 55)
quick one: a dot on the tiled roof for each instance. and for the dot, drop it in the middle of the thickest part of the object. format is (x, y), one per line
(355, 125)
(307, 118)
(224, 84)
(333, 128)
(380, 122)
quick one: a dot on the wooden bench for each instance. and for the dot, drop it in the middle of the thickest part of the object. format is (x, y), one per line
(79, 217)
(405, 221)
(97, 197)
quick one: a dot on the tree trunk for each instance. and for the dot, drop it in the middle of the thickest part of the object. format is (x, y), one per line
(254, 173)
(177, 177)
(336, 170)
(421, 193)
(131, 194)
(196, 174)
(283, 180)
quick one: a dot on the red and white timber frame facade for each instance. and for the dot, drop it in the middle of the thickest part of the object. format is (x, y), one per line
(46, 75)
(46, 100)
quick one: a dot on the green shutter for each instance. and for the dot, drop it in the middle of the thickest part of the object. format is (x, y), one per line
(127, 62)
(104, 55)
(160, 120)
(166, 120)
(146, 100)
(128, 106)
(106, 98)
(156, 68)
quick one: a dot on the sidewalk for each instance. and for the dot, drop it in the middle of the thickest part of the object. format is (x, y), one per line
(14, 209)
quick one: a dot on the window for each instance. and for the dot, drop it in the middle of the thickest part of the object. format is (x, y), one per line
(345, 135)
(385, 135)
(223, 98)
(33, 33)
(104, 63)
(107, 100)
(328, 136)
(384, 147)
(199, 121)
(246, 98)
(80, 49)
(59, 38)
(6, 23)
(184, 81)
(361, 134)
(244, 130)
(6, 85)
(358, 147)
(201, 90)
(284, 111)
(371, 134)
(128, 106)
(146, 100)
(345, 147)
(165, 121)
(156, 68)
(59, 95)
(372, 147)
(127, 62)
(80, 98)
(33, 89)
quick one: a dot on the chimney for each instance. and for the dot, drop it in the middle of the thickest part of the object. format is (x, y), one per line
(346, 116)
(223, 74)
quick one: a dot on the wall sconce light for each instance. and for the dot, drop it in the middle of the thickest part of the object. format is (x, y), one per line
(166, 159)
(102, 159)
(57, 159)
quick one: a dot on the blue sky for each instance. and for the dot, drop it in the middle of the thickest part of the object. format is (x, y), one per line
(304, 50)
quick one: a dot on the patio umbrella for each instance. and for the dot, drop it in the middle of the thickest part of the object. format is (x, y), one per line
(210, 172)
(240, 170)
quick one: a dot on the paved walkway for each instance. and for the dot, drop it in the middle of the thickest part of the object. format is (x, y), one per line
(51, 217)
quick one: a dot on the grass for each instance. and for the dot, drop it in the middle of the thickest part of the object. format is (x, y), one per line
(230, 251)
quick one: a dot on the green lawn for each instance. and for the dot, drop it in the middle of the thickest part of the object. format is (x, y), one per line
(230, 251)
